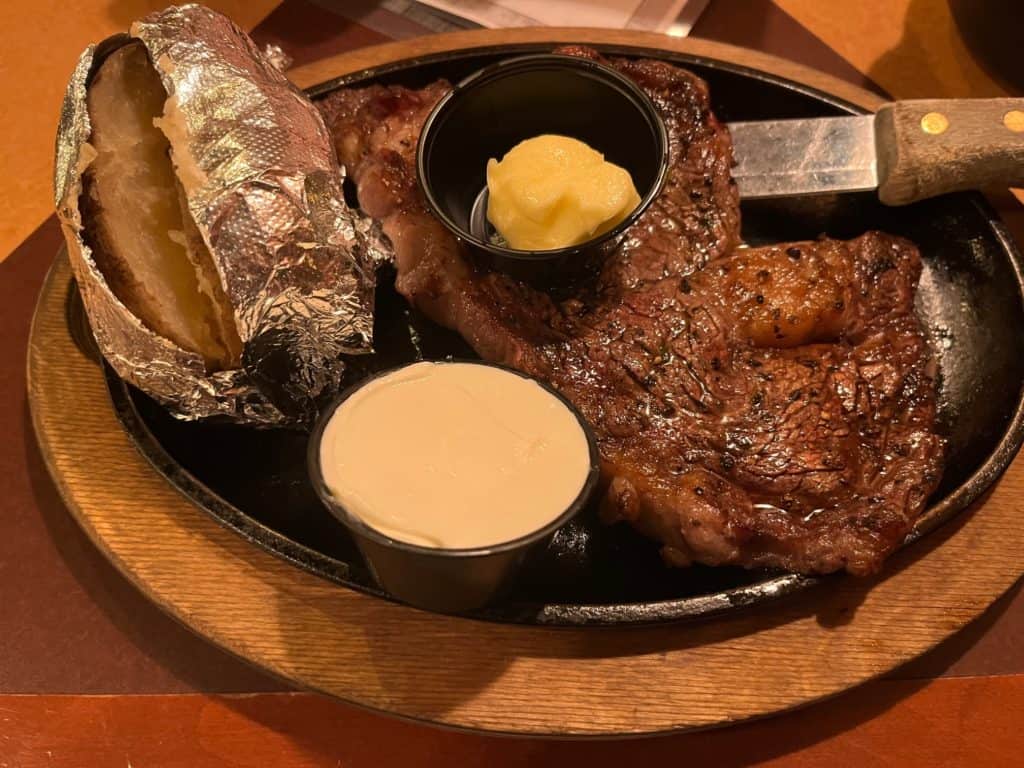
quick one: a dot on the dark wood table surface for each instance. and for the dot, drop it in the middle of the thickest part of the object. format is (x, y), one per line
(91, 674)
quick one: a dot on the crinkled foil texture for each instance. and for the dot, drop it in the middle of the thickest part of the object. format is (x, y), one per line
(265, 191)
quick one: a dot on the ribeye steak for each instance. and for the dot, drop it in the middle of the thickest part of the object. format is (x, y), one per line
(768, 406)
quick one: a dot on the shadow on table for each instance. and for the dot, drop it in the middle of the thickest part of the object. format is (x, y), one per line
(330, 729)
(951, 654)
(403, 675)
(177, 659)
(931, 59)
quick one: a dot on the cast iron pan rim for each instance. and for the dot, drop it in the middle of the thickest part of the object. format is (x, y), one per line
(1009, 444)
(621, 614)
(523, 49)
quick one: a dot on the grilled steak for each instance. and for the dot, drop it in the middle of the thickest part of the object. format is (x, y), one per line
(762, 407)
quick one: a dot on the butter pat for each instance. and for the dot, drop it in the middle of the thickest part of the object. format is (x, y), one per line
(454, 455)
(554, 191)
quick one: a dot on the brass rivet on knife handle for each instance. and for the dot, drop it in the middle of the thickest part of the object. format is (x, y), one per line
(930, 147)
(1014, 120)
(934, 123)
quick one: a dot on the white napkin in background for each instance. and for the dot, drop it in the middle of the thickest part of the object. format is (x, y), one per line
(616, 14)
(401, 19)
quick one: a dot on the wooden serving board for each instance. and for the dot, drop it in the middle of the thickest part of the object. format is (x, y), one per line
(499, 677)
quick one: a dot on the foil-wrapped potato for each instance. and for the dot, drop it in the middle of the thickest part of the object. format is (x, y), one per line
(202, 205)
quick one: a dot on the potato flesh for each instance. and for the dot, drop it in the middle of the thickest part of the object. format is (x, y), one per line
(143, 237)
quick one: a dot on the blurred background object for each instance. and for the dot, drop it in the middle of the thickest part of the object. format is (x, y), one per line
(912, 49)
(400, 17)
(993, 33)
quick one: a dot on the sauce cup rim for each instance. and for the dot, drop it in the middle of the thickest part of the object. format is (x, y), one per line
(526, 63)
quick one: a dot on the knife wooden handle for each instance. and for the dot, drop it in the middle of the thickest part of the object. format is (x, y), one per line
(929, 147)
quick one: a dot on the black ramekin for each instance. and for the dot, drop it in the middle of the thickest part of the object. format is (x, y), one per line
(491, 111)
(436, 579)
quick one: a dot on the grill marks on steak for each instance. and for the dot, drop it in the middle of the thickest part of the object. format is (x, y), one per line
(761, 407)
(814, 457)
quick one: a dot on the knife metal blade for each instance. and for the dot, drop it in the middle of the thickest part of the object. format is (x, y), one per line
(777, 158)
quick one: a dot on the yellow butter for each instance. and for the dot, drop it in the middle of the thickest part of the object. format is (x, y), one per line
(554, 191)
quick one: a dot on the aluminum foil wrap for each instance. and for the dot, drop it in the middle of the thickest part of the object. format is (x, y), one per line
(265, 191)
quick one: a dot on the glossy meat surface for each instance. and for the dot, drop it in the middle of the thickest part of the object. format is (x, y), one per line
(763, 407)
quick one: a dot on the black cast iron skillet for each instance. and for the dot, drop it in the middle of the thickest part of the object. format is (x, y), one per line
(969, 300)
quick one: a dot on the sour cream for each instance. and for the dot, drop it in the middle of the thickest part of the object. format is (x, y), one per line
(454, 455)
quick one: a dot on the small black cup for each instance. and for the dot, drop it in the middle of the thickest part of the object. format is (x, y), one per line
(491, 111)
(432, 578)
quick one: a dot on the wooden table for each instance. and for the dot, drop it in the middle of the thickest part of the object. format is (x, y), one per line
(91, 674)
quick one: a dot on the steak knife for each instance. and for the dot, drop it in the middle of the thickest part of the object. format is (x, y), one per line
(907, 151)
